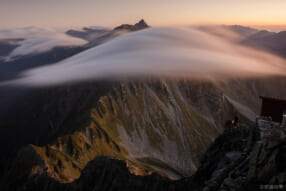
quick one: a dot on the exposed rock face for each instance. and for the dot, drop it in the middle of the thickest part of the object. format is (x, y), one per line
(162, 126)
(156, 125)
(267, 163)
(138, 26)
(141, 25)
(227, 165)
(240, 161)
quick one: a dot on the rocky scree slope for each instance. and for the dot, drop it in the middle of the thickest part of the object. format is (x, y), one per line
(230, 163)
(155, 125)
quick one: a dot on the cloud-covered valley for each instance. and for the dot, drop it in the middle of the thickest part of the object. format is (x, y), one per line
(160, 52)
(37, 40)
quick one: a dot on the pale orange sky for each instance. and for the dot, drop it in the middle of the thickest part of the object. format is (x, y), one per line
(76, 13)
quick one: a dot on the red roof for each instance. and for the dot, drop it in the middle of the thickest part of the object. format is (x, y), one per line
(273, 107)
(272, 98)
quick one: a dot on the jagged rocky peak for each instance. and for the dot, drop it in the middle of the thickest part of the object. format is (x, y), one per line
(141, 24)
(138, 26)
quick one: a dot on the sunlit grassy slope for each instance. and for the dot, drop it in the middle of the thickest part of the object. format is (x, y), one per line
(156, 125)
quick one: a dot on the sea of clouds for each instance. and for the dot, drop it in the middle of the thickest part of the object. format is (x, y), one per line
(172, 52)
(37, 40)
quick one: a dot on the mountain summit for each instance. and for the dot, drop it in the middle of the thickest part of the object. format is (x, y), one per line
(138, 26)
(141, 25)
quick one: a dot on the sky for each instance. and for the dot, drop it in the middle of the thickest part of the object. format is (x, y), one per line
(78, 13)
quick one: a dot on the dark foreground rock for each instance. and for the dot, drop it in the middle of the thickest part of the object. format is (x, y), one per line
(267, 166)
(103, 173)
(138, 26)
(237, 160)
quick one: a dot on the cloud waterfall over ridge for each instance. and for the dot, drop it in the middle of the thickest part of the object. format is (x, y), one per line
(160, 52)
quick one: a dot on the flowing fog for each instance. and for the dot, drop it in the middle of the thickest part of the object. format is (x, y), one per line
(37, 40)
(160, 52)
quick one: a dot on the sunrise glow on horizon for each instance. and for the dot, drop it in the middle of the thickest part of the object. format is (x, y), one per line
(75, 13)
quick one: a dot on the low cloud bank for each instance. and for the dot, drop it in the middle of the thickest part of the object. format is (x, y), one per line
(160, 52)
(37, 40)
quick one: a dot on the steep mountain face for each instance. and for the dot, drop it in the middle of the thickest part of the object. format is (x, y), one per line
(155, 125)
(237, 160)
(44, 114)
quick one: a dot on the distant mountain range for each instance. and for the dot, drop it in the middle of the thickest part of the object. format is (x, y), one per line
(269, 41)
(273, 42)
(242, 30)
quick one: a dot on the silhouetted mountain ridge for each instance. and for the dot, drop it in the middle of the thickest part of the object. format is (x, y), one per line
(138, 26)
